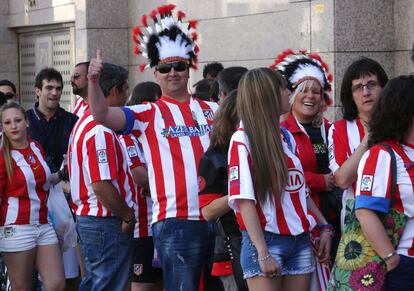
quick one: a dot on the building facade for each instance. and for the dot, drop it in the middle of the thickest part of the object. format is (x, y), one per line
(60, 33)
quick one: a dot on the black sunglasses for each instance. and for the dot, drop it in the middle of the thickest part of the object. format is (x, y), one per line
(7, 95)
(166, 68)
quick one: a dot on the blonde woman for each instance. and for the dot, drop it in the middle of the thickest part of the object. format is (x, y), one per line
(26, 237)
(268, 190)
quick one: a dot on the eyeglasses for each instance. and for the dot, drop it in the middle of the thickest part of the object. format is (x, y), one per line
(8, 95)
(360, 87)
(166, 68)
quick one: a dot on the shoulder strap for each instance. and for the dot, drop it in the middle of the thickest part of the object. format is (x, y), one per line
(287, 137)
(393, 170)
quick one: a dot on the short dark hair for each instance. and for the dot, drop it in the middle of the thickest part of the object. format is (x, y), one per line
(213, 94)
(86, 64)
(213, 69)
(112, 75)
(145, 92)
(359, 68)
(392, 118)
(229, 78)
(8, 83)
(48, 74)
(202, 88)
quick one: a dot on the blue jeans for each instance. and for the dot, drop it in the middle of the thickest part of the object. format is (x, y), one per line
(293, 253)
(106, 253)
(183, 249)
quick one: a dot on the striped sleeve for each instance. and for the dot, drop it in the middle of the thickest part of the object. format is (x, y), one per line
(373, 184)
(102, 162)
(240, 180)
(336, 149)
(131, 146)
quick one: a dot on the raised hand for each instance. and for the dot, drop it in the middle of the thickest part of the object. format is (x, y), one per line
(95, 67)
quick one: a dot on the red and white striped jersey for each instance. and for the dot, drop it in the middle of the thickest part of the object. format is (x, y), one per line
(374, 184)
(23, 199)
(143, 205)
(95, 154)
(80, 106)
(343, 138)
(289, 216)
(174, 135)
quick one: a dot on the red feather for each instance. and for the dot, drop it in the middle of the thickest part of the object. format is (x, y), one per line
(161, 10)
(153, 14)
(136, 31)
(192, 24)
(330, 77)
(135, 38)
(196, 49)
(303, 51)
(180, 15)
(194, 66)
(328, 102)
(283, 55)
(144, 20)
(169, 8)
(136, 50)
(142, 67)
(194, 36)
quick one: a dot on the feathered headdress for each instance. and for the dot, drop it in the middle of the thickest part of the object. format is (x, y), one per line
(166, 40)
(301, 66)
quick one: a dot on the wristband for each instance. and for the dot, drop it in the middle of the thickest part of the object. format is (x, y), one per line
(389, 256)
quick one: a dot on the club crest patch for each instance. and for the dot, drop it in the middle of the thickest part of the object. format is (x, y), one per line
(138, 269)
(102, 157)
(31, 159)
(366, 182)
(233, 173)
(208, 114)
(132, 151)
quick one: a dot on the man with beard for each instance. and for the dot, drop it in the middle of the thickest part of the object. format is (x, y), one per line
(79, 84)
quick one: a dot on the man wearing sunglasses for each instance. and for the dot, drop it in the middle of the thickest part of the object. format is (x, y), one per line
(7, 90)
(174, 133)
(79, 83)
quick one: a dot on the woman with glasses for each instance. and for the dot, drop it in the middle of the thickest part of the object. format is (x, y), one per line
(361, 85)
(26, 237)
(372, 201)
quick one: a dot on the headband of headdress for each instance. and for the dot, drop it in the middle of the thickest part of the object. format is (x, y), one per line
(301, 66)
(166, 40)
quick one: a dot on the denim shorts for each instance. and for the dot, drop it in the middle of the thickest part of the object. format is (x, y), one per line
(18, 238)
(293, 253)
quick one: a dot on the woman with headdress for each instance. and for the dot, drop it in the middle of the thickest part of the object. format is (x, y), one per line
(309, 80)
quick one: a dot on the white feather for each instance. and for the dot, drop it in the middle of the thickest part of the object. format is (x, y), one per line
(168, 48)
(307, 70)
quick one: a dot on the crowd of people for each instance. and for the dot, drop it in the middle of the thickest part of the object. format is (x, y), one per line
(242, 184)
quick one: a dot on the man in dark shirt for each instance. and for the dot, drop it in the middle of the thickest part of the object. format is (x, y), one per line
(50, 125)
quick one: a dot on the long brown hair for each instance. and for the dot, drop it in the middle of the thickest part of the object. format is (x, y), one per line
(259, 108)
(225, 122)
(5, 142)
